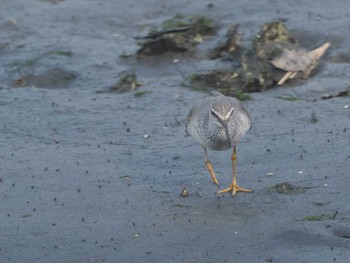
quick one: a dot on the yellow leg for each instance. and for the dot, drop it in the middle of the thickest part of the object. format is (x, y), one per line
(210, 168)
(233, 187)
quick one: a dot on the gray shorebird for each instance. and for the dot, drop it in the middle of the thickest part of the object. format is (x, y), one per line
(219, 122)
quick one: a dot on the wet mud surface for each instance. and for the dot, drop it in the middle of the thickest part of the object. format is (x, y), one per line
(90, 176)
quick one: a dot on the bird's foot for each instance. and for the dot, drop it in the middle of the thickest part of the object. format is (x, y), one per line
(216, 182)
(234, 188)
(212, 173)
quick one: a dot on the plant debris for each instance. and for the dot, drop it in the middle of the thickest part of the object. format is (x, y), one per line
(224, 81)
(179, 34)
(318, 218)
(287, 98)
(343, 93)
(127, 82)
(140, 93)
(274, 58)
(228, 46)
(274, 44)
(254, 75)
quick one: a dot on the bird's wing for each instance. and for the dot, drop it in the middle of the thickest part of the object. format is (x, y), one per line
(189, 117)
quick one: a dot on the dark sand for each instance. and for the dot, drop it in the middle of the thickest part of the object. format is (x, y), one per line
(96, 177)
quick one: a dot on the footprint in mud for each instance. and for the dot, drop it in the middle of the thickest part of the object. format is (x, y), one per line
(55, 78)
(287, 188)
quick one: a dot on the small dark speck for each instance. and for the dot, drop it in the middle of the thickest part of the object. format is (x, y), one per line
(98, 146)
(99, 186)
(83, 240)
(46, 169)
(87, 171)
(13, 185)
(82, 219)
(57, 170)
(32, 187)
(12, 154)
(55, 199)
(78, 190)
(112, 239)
(54, 224)
(0, 180)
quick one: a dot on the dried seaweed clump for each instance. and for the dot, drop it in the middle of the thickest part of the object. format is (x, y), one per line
(275, 45)
(127, 82)
(225, 81)
(275, 58)
(179, 34)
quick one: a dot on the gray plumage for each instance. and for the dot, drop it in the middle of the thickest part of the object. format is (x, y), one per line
(218, 122)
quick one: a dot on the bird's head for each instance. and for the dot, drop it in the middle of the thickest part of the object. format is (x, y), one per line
(221, 114)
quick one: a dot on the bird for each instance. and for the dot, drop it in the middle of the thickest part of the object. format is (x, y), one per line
(219, 122)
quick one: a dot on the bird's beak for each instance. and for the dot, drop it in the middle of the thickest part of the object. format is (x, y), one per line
(224, 124)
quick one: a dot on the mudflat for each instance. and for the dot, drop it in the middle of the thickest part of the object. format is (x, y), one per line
(91, 176)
